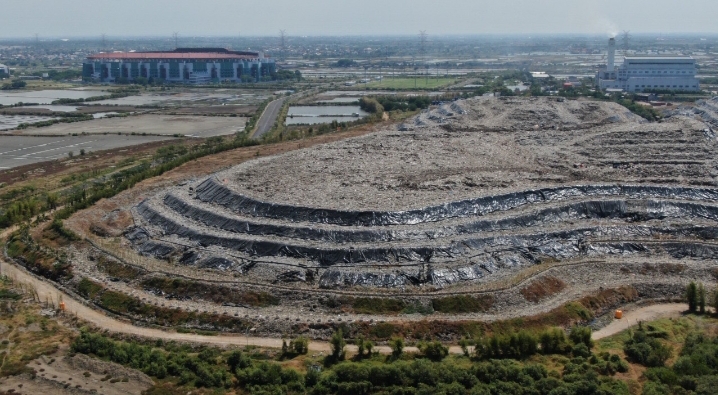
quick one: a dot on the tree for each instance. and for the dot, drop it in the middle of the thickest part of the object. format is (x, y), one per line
(692, 297)
(337, 344)
(581, 334)
(15, 84)
(397, 347)
(715, 300)
(360, 347)
(51, 200)
(701, 299)
(464, 344)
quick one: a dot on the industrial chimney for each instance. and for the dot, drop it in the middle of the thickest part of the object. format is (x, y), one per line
(610, 67)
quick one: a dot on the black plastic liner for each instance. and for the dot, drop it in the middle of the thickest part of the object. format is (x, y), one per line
(212, 191)
(157, 250)
(629, 210)
(338, 278)
(558, 245)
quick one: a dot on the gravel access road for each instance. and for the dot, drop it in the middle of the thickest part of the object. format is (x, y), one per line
(646, 313)
(48, 292)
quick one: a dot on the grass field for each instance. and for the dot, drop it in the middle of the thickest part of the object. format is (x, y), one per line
(410, 83)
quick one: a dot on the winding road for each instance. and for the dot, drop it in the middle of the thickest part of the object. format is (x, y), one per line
(47, 292)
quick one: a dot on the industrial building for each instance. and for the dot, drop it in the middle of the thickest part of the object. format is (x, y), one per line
(639, 74)
(183, 65)
(4, 71)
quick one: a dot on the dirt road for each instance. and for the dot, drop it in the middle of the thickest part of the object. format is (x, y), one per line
(633, 317)
(47, 292)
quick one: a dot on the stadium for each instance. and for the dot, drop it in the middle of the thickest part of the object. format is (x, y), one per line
(183, 65)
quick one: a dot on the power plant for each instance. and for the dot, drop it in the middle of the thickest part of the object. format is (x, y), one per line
(648, 73)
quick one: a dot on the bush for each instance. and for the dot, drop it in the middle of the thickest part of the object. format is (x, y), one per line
(646, 350)
(435, 351)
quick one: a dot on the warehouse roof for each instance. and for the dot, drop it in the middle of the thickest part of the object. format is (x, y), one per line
(169, 55)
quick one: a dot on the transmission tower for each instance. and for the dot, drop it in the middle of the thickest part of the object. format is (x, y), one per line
(37, 40)
(626, 38)
(282, 41)
(175, 35)
(422, 42)
(104, 42)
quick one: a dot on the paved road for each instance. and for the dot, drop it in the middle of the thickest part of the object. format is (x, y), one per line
(22, 150)
(266, 120)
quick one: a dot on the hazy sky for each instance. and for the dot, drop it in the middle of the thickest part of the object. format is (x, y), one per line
(73, 18)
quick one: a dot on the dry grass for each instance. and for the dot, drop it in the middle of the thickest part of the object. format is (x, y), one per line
(542, 288)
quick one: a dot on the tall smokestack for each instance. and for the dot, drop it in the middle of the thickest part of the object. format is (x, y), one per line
(610, 66)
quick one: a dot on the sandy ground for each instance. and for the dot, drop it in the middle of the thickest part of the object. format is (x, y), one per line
(194, 126)
(79, 374)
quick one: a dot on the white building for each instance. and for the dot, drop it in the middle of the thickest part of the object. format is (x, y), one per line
(638, 74)
(4, 71)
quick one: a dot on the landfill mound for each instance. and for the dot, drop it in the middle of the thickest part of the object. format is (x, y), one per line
(467, 193)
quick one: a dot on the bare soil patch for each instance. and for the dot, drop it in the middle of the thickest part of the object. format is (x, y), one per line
(542, 288)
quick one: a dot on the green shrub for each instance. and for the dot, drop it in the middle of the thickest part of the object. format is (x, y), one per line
(646, 350)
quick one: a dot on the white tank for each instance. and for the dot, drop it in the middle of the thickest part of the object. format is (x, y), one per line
(610, 64)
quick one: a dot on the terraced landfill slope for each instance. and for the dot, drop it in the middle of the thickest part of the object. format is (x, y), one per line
(467, 197)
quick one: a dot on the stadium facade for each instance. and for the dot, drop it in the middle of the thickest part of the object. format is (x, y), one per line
(648, 73)
(183, 65)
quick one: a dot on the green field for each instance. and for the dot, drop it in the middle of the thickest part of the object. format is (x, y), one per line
(410, 83)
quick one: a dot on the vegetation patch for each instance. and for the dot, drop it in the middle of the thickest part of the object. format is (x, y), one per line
(41, 260)
(463, 304)
(542, 288)
(117, 269)
(187, 289)
(120, 303)
(88, 288)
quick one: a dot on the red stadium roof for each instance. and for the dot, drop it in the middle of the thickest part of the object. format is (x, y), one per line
(167, 55)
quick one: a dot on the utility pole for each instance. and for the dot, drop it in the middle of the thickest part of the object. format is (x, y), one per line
(175, 36)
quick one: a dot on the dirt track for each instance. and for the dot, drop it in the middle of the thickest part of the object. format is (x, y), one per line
(633, 317)
(47, 292)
